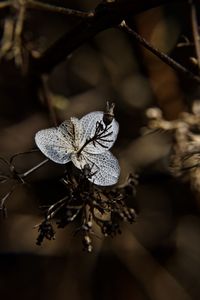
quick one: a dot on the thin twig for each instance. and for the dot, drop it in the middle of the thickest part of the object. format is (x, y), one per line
(17, 35)
(107, 15)
(34, 168)
(58, 9)
(98, 135)
(19, 154)
(3, 200)
(164, 57)
(5, 161)
(7, 39)
(53, 210)
(195, 31)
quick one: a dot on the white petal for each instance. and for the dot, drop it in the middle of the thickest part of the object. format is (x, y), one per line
(89, 124)
(52, 144)
(72, 132)
(104, 167)
(78, 161)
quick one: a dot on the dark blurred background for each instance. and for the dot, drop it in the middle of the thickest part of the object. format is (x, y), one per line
(156, 258)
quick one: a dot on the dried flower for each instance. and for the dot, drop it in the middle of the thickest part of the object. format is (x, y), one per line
(85, 142)
(184, 160)
(90, 206)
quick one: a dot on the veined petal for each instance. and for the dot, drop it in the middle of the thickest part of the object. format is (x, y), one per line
(105, 169)
(71, 131)
(89, 124)
(53, 145)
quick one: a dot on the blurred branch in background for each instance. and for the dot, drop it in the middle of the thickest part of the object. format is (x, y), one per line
(165, 58)
(4, 4)
(157, 282)
(107, 14)
(12, 43)
(32, 4)
(195, 29)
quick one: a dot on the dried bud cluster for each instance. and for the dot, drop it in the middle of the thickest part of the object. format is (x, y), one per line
(87, 204)
(46, 231)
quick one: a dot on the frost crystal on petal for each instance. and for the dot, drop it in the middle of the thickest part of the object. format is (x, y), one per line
(89, 124)
(53, 145)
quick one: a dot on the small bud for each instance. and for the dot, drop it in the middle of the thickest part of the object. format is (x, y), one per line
(109, 113)
(89, 223)
(87, 243)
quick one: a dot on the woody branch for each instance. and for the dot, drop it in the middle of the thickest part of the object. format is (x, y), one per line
(106, 15)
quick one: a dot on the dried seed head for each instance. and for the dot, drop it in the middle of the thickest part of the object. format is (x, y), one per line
(109, 113)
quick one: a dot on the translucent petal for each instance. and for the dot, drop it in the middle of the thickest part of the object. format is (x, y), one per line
(78, 160)
(52, 144)
(106, 139)
(72, 132)
(104, 167)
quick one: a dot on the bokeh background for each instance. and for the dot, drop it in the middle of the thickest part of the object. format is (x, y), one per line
(156, 258)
